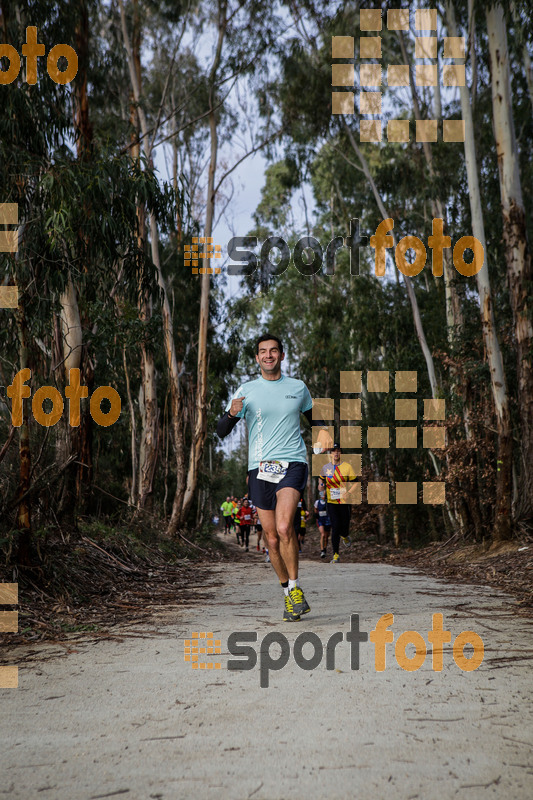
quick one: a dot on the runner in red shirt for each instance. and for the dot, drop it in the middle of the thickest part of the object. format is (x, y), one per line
(245, 517)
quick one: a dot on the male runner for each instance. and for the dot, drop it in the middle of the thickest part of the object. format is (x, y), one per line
(227, 508)
(335, 475)
(277, 459)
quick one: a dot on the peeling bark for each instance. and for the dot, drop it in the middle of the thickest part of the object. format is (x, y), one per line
(143, 488)
(517, 253)
(200, 426)
(176, 394)
(24, 509)
(502, 511)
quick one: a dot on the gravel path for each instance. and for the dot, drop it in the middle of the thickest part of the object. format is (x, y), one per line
(132, 718)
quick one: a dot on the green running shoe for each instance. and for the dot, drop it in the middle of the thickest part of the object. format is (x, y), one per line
(289, 614)
(299, 603)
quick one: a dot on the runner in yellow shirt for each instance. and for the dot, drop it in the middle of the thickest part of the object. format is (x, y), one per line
(336, 474)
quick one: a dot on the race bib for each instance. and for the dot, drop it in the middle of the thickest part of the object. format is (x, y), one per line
(272, 471)
(322, 513)
(335, 494)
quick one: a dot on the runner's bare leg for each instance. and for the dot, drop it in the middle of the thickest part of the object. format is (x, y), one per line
(271, 538)
(286, 505)
(278, 532)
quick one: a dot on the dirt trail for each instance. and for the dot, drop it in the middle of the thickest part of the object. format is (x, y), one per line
(131, 718)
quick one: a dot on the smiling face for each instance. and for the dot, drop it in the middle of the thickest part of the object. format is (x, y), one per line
(269, 359)
(336, 455)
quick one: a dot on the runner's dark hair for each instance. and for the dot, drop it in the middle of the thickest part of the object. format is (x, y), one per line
(267, 337)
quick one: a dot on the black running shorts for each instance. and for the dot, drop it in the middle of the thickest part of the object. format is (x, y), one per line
(263, 493)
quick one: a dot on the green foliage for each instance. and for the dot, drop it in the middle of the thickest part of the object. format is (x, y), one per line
(80, 219)
(333, 323)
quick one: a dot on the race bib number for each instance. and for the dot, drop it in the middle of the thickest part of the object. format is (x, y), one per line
(272, 471)
(322, 513)
(335, 494)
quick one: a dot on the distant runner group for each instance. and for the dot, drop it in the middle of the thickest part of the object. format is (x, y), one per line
(241, 518)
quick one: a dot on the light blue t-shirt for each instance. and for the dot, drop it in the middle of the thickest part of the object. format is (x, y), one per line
(272, 413)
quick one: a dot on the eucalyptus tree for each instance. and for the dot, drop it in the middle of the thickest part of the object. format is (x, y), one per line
(231, 62)
(77, 225)
(412, 183)
(517, 249)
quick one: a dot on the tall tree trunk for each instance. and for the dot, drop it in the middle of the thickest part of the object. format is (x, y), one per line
(417, 319)
(517, 254)
(84, 132)
(454, 314)
(148, 389)
(176, 394)
(133, 426)
(200, 426)
(78, 440)
(408, 285)
(24, 509)
(179, 221)
(472, 49)
(502, 514)
(71, 332)
(149, 421)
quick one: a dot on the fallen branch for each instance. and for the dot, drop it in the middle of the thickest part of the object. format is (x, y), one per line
(196, 546)
(34, 485)
(113, 558)
(455, 535)
(125, 502)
